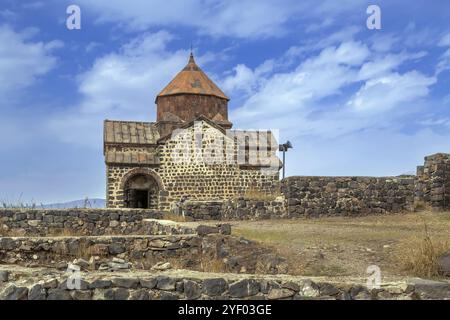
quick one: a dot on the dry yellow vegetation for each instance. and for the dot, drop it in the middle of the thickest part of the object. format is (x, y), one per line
(400, 244)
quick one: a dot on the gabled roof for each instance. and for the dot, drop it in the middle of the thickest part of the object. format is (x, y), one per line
(130, 132)
(190, 123)
(192, 80)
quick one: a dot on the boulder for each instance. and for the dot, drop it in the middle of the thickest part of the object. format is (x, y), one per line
(244, 288)
(100, 284)
(13, 292)
(309, 289)
(149, 283)
(37, 292)
(121, 294)
(161, 266)
(58, 294)
(275, 294)
(116, 248)
(444, 264)
(125, 282)
(214, 287)
(165, 283)
(4, 276)
(192, 290)
(203, 230)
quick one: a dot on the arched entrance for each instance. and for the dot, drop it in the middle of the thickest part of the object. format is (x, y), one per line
(141, 190)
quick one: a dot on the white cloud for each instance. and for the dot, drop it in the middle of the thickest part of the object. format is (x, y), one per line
(128, 81)
(121, 85)
(444, 62)
(21, 60)
(445, 40)
(234, 18)
(318, 77)
(244, 80)
(394, 90)
(341, 90)
(386, 63)
(240, 18)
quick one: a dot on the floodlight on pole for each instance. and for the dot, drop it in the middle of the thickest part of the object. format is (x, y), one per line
(284, 147)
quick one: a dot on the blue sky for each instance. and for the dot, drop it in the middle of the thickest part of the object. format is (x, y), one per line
(353, 101)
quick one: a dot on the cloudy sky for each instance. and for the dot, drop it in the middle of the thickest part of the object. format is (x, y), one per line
(353, 101)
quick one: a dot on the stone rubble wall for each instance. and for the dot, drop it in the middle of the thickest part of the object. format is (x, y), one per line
(39, 222)
(315, 196)
(203, 286)
(149, 249)
(198, 247)
(238, 209)
(206, 173)
(324, 196)
(433, 182)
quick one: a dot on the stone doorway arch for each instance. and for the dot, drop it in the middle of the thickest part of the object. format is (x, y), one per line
(141, 188)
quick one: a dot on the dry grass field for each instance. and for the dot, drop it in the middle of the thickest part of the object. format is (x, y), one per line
(401, 245)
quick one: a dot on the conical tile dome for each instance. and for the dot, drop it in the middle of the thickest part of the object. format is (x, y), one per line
(192, 80)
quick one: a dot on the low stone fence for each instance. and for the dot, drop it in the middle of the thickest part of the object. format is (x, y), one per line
(145, 250)
(26, 285)
(237, 209)
(322, 196)
(208, 247)
(80, 221)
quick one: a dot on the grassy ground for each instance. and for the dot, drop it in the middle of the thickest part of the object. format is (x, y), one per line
(342, 246)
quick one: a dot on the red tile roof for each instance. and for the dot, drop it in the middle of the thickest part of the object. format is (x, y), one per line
(192, 80)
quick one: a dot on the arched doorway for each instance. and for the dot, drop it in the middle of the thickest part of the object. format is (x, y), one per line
(141, 191)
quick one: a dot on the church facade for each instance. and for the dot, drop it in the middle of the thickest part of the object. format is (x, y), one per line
(191, 152)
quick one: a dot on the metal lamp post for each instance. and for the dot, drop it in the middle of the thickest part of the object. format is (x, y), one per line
(284, 147)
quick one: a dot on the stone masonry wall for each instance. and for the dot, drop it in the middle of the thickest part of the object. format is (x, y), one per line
(322, 196)
(115, 174)
(143, 251)
(23, 285)
(80, 221)
(236, 209)
(204, 174)
(433, 181)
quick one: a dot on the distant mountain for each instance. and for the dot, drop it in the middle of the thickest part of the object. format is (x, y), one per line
(409, 173)
(89, 203)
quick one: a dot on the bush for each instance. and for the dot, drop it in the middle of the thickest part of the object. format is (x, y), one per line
(420, 257)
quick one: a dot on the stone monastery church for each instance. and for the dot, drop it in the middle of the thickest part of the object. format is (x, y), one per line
(189, 153)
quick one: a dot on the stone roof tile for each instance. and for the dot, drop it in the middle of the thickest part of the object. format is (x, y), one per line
(129, 132)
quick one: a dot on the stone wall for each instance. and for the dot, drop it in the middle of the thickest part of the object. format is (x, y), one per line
(322, 196)
(143, 251)
(78, 221)
(237, 209)
(314, 197)
(209, 174)
(433, 182)
(27, 285)
(209, 248)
